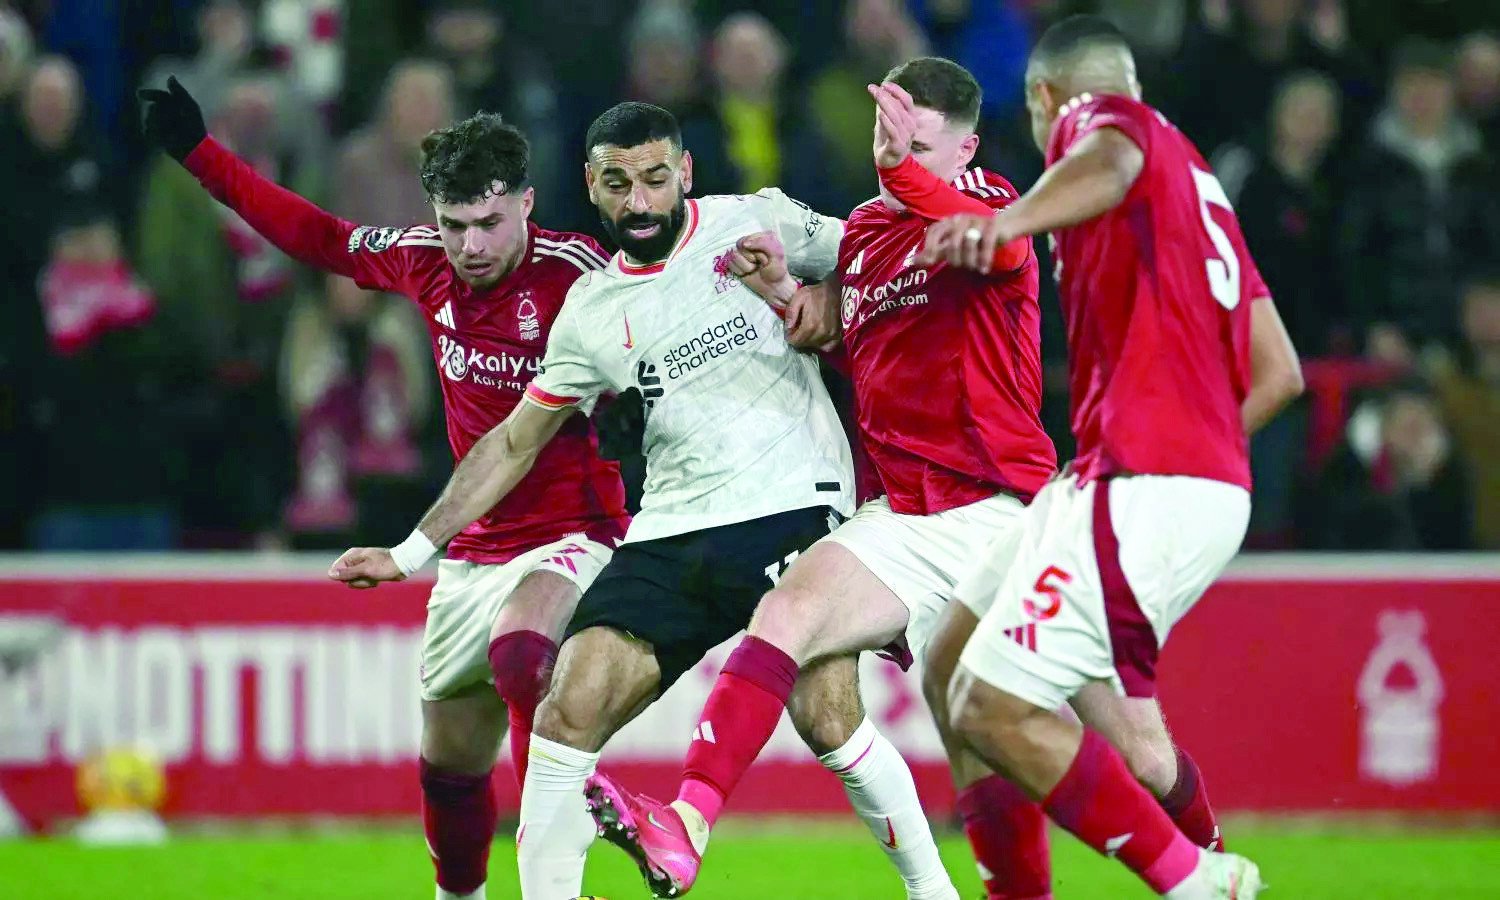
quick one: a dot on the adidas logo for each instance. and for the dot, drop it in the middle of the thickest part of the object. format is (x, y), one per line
(705, 732)
(444, 316)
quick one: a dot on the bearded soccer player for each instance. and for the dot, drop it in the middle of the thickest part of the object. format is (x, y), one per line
(747, 467)
(490, 283)
(1176, 353)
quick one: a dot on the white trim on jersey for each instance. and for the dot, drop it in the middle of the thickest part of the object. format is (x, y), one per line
(419, 242)
(856, 264)
(973, 180)
(444, 316)
(420, 231)
(577, 249)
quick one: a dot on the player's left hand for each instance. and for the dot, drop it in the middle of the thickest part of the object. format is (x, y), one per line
(966, 241)
(365, 567)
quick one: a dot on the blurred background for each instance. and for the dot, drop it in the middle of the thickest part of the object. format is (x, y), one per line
(170, 382)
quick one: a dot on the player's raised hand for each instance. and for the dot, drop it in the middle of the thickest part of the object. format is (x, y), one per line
(895, 123)
(365, 567)
(172, 119)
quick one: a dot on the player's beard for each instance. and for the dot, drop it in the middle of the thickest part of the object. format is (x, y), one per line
(656, 247)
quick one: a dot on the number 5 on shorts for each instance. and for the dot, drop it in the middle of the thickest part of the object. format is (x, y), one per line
(1049, 585)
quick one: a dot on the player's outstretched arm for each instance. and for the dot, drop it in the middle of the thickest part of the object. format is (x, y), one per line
(1091, 179)
(492, 467)
(1275, 371)
(173, 121)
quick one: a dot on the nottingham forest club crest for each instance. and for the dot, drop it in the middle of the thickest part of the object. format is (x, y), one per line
(526, 318)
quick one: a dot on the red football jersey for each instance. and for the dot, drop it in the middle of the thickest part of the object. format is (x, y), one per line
(1156, 294)
(487, 346)
(946, 363)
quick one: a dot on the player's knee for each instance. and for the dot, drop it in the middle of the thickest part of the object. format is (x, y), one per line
(979, 714)
(825, 729)
(786, 617)
(570, 716)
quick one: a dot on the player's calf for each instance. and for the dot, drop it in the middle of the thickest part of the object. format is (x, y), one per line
(460, 739)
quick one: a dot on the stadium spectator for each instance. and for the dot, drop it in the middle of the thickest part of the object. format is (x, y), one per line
(1478, 74)
(878, 34)
(224, 293)
(99, 327)
(305, 38)
(1421, 207)
(353, 379)
(375, 171)
(49, 154)
(1395, 484)
(1224, 81)
(1286, 198)
(495, 71)
(1469, 388)
(226, 42)
(15, 51)
(990, 38)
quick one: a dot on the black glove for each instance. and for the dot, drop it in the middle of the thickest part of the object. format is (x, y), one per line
(621, 424)
(172, 119)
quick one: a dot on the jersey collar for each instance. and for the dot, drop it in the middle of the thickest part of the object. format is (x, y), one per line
(626, 267)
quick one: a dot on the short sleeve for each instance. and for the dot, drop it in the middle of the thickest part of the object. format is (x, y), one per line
(568, 376)
(1085, 116)
(987, 187)
(811, 239)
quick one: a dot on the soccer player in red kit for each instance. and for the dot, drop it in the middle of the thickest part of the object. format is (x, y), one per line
(489, 283)
(1176, 353)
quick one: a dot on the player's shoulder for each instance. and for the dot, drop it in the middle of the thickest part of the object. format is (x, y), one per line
(991, 187)
(1089, 112)
(566, 254)
(873, 208)
(416, 241)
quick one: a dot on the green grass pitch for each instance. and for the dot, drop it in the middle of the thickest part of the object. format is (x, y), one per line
(782, 861)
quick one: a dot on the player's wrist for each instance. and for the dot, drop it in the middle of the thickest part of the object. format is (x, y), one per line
(414, 552)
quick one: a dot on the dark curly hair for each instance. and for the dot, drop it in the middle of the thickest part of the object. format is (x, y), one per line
(461, 163)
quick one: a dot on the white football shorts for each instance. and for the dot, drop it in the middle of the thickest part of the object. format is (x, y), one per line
(468, 597)
(921, 558)
(1101, 573)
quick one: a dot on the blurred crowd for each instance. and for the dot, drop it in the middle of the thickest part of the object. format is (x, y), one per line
(168, 379)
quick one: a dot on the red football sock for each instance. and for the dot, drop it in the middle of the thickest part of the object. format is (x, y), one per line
(522, 664)
(1102, 803)
(1187, 804)
(741, 713)
(1008, 832)
(458, 814)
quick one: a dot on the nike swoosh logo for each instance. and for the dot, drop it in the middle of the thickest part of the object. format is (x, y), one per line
(651, 817)
(628, 342)
(891, 831)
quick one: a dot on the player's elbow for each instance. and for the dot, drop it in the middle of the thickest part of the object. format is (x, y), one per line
(1285, 380)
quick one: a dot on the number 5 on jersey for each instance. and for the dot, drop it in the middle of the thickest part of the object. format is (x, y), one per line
(1223, 270)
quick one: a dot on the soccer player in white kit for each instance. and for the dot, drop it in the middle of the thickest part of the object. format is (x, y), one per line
(747, 466)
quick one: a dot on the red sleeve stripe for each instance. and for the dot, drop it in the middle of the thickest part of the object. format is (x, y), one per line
(581, 265)
(548, 401)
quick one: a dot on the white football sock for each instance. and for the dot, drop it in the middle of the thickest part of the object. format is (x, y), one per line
(476, 894)
(881, 789)
(556, 828)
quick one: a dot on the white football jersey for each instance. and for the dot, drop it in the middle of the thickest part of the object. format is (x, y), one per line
(738, 423)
